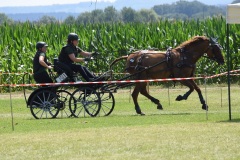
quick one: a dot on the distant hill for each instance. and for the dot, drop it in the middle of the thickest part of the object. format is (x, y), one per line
(80, 7)
(60, 12)
(33, 13)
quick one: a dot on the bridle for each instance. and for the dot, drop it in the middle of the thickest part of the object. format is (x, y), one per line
(213, 42)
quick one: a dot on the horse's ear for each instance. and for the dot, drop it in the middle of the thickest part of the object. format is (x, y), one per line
(213, 41)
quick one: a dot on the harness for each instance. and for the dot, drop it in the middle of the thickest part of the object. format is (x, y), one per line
(139, 66)
(183, 60)
(168, 59)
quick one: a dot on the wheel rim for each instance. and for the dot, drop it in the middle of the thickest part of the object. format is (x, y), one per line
(85, 102)
(107, 104)
(44, 104)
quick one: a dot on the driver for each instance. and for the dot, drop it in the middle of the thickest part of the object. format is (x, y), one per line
(68, 56)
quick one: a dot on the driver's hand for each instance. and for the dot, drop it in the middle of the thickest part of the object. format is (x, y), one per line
(95, 53)
(50, 67)
(87, 59)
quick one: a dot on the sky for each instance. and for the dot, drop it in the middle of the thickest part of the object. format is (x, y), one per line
(8, 3)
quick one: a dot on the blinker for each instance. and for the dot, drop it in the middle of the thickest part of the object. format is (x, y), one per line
(131, 60)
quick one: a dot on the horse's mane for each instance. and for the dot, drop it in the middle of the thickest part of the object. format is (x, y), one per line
(192, 41)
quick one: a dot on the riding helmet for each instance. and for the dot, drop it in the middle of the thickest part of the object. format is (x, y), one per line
(72, 37)
(41, 45)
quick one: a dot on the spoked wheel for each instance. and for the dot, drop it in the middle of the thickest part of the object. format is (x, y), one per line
(85, 102)
(64, 98)
(107, 104)
(45, 104)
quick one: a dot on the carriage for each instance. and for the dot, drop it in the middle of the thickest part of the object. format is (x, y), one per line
(68, 97)
(92, 99)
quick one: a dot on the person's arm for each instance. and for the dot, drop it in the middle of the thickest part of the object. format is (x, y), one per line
(41, 61)
(75, 59)
(86, 54)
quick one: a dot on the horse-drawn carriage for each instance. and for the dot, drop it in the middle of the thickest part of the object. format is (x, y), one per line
(94, 99)
(69, 97)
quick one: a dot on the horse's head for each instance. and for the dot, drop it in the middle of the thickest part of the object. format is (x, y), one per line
(214, 51)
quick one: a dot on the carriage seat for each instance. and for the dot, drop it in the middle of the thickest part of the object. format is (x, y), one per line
(61, 68)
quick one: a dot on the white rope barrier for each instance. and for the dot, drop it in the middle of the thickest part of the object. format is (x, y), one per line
(117, 81)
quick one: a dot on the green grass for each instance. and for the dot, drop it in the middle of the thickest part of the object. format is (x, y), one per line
(181, 131)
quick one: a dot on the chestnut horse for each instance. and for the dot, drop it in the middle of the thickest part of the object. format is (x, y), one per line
(179, 62)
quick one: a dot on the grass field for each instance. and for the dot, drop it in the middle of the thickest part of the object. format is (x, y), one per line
(181, 131)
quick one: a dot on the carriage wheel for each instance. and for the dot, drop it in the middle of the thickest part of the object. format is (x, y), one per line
(85, 102)
(107, 103)
(64, 97)
(44, 104)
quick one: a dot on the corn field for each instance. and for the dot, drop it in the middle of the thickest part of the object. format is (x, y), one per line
(17, 43)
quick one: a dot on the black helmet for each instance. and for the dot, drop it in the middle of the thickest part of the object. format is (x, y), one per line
(72, 37)
(41, 45)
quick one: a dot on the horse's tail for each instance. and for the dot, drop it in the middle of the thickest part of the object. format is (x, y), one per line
(118, 59)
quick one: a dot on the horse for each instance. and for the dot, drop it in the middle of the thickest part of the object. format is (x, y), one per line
(179, 62)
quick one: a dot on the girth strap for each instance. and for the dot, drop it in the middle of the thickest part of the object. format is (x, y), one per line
(139, 66)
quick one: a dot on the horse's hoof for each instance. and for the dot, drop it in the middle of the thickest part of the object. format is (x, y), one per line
(141, 113)
(138, 111)
(205, 107)
(179, 98)
(159, 107)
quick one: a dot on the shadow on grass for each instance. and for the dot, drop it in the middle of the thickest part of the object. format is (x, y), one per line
(111, 116)
(232, 121)
(163, 114)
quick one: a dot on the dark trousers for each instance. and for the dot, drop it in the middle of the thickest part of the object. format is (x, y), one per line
(42, 77)
(86, 74)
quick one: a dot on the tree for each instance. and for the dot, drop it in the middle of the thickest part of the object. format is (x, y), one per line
(163, 9)
(48, 19)
(4, 18)
(128, 14)
(189, 8)
(185, 9)
(174, 16)
(84, 18)
(69, 20)
(236, 1)
(97, 16)
(148, 15)
(111, 14)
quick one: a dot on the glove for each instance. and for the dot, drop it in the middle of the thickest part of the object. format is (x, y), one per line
(87, 59)
(95, 54)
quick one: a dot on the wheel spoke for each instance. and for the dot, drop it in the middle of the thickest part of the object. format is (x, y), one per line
(44, 104)
(85, 102)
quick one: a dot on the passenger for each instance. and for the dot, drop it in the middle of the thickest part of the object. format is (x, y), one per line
(68, 56)
(41, 64)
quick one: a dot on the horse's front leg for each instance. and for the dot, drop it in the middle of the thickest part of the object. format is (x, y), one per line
(204, 105)
(192, 85)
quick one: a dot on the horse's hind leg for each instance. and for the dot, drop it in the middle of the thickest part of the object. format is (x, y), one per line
(144, 92)
(135, 94)
(185, 96)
